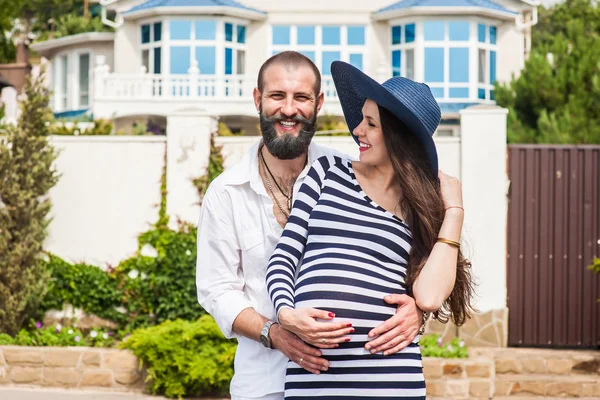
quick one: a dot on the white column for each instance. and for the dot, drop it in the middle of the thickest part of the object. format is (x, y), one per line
(188, 148)
(484, 180)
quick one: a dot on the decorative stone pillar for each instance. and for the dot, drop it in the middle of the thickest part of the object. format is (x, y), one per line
(188, 149)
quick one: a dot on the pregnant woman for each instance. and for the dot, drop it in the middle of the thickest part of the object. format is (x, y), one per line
(359, 231)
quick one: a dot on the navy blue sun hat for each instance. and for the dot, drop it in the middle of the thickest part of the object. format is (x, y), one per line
(411, 102)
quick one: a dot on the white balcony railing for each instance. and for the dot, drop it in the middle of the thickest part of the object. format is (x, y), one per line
(145, 86)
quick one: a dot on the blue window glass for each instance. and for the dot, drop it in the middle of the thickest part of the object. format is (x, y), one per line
(459, 64)
(145, 33)
(328, 58)
(228, 61)
(275, 52)
(306, 35)
(409, 33)
(241, 34)
(396, 34)
(206, 30)
(459, 93)
(206, 56)
(492, 34)
(481, 94)
(180, 30)
(396, 62)
(157, 31)
(357, 60)
(433, 30)
(157, 60)
(281, 34)
(459, 30)
(434, 64)
(438, 93)
(309, 54)
(492, 96)
(492, 67)
(229, 32)
(356, 35)
(481, 33)
(331, 35)
(180, 59)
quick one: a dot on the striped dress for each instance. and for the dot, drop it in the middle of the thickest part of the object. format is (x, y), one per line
(341, 252)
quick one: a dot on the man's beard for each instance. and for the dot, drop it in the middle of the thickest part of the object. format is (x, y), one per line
(287, 146)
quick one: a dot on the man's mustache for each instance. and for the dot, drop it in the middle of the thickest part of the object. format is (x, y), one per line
(281, 117)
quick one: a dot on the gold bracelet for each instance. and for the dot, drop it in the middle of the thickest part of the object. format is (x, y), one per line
(450, 242)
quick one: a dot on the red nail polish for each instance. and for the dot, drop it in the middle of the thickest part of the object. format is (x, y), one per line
(331, 315)
(347, 339)
(349, 326)
(352, 330)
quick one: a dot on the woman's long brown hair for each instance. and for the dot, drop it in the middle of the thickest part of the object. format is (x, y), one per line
(423, 209)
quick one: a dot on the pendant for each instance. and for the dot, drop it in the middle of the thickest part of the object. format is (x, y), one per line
(289, 203)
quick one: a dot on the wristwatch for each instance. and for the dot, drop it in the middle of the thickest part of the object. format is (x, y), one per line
(423, 322)
(265, 339)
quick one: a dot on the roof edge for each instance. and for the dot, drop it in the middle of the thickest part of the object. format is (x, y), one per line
(196, 10)
(443, 10)
(86, 37)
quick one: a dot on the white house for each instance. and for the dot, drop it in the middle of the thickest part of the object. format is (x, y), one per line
(169, 54)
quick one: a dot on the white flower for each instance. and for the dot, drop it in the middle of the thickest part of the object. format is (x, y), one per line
(148, 251)
(121, 309)
(133, 274)
(75, 325)
(189, 253)
(77, 339)
(58, 327)
(105, 336)
(449, 348)
(47, 123)
(93, 334)
(461, 344)
(144, 276)
(70, 331)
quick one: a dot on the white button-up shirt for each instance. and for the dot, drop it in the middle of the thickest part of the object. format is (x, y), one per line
(237, 233)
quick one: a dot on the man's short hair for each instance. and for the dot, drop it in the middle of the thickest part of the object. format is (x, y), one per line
(291, 59)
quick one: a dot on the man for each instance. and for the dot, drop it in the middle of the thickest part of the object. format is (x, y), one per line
(243, 215)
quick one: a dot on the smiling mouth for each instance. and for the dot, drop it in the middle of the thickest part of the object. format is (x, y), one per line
(364, 146)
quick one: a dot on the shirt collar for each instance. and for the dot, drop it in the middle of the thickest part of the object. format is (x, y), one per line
(246, 171)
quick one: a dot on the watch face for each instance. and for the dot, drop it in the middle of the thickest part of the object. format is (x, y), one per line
(264, 340)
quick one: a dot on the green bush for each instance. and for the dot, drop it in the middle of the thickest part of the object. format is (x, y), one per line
(432, 346)
(214, 169)
(159, 283)
(73, 24)
(58, 335)
(101, 127)
(185, 358)
(83, 286)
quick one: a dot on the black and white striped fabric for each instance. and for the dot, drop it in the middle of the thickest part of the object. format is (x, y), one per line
(352, 253)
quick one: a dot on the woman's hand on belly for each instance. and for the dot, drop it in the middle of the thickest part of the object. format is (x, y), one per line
(303, 322)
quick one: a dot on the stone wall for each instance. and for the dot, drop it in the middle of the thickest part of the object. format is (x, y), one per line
(489, 329)
(70, 367)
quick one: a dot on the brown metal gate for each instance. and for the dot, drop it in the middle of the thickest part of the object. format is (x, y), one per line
(553, 234)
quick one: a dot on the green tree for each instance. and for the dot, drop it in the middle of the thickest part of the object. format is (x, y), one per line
(556, 98)
(555, 20)
(26, 176)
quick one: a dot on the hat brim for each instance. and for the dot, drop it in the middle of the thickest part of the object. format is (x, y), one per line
(354, 87)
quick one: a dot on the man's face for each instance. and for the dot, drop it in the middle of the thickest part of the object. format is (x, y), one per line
(288, 109)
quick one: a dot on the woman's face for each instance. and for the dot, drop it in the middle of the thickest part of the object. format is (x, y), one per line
(370, 136)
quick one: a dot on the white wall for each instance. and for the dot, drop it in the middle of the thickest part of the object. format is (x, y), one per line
(107, 195)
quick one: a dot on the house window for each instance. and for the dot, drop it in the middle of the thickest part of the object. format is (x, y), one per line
(235, 49)
(403, 50)
(446, 58)
(151, 39)
(61, 83)
(323, 44)
(486, 61)
(84, 80)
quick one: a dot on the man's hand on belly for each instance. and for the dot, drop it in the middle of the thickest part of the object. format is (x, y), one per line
(296, 350)
(399, 331)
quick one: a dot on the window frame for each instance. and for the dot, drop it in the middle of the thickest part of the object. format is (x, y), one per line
(150, 46)
(318, 48)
